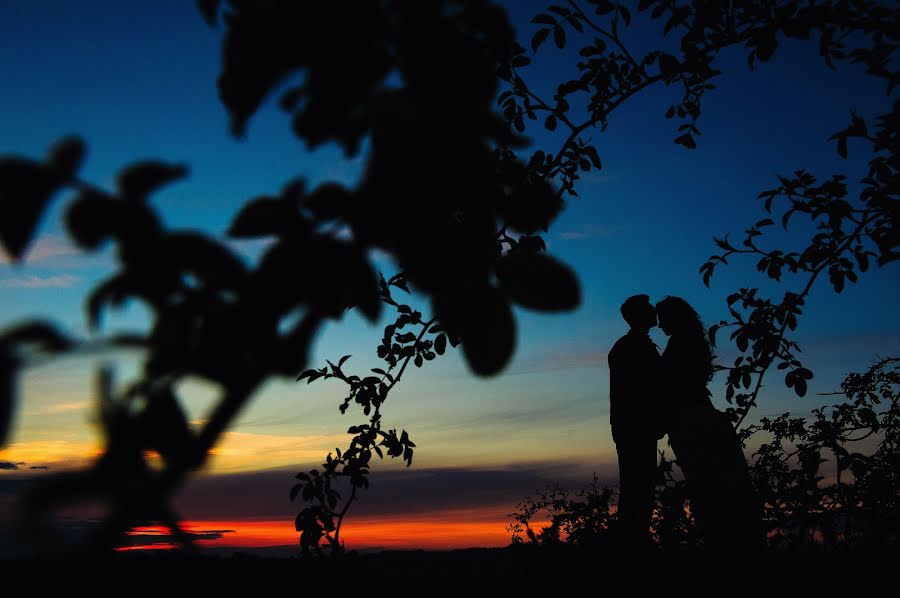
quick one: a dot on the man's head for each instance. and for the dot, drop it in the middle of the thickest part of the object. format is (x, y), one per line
(639, 312)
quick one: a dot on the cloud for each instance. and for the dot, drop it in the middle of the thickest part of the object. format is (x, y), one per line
(591, 232)
(153, 536)
(60, 408)
(10, 465)
(560, 411)
(593, 178)
(264, 494)
(243, 451)
(573, 235)
(560, 360)
(429, 507)
(39, 282)
(59, 453)
(43, 249)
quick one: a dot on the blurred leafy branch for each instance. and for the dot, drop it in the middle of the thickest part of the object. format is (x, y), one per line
(434, 197)
(471, 243)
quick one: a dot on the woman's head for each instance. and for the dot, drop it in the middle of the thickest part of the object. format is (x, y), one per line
(677, 316)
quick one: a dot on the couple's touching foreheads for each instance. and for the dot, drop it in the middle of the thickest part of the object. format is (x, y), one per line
(653, 395)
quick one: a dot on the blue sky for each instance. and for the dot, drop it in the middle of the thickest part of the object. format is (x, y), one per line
(137, 80)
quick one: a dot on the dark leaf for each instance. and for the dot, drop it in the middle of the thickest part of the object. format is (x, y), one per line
(842, 146)
(39, 333)
(712, 334)
(559, 37)
(591, 152)
(668, 66)
(92, 218)
(66, 156)
(686, 140)
(576, 24)
(407, 337)
(519, 123)
(329, 201)
(539, 38)
(9, 370)
(209, 9)
(520, 61)
(485, 326)
(260, 217)
(543, 19)
(291, 98)
(25, 190)
(143, 178)
(766, 45)
(604, 7)
(538, 281)
(112, 290)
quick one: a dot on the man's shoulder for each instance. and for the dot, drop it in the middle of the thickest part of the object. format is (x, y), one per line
(631, 347)
(632, 341)
(620, 346)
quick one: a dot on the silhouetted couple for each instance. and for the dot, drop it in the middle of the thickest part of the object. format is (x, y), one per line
(652, 395)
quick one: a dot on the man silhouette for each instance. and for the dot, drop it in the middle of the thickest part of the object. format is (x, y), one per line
(634, 418)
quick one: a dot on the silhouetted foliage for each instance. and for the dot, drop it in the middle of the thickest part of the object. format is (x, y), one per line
(860, 502)
(583, 519)
(417, 81)
(848, 233)
(849, 230)
(858, 506)
(444, 193)
(588, 519)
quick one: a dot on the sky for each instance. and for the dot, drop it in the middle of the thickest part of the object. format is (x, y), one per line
(136, 80)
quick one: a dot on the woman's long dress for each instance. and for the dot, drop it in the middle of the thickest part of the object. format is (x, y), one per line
(708, 450)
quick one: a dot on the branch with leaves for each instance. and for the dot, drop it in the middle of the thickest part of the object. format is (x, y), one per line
(848, 233)
(235, 325)
(860, 502)
(609, 73)
(404, 342)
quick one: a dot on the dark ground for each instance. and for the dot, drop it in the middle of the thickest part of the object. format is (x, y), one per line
(514, 571)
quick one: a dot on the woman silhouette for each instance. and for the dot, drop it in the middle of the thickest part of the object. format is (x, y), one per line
(705, 444)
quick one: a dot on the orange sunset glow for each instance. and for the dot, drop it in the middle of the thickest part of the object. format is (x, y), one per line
(443, 530)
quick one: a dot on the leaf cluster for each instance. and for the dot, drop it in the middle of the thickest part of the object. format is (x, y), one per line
(434, 196)
(860, 502)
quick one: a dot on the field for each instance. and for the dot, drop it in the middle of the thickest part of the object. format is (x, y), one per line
(513, 571)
